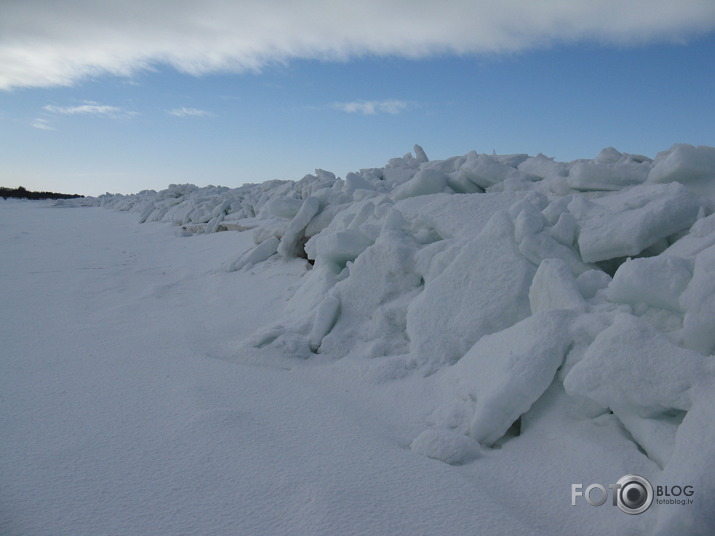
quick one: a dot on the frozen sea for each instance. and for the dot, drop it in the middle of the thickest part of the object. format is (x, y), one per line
(450, 362)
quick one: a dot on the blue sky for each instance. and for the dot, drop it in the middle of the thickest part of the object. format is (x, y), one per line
(91, 100)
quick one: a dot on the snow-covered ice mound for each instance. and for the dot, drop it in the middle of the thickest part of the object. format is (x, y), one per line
(506, 283)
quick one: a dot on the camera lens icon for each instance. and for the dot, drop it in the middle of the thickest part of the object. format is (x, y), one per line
(634, 494)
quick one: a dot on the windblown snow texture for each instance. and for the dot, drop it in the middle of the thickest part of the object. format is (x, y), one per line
(524, 293)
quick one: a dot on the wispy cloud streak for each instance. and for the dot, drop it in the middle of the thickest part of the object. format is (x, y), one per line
(390, 106)
(189, 112)
(89, 108)
(51, 43)
(42, 124)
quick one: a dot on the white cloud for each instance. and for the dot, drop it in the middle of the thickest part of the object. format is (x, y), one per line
(88, 108)
(42, 124)
(390, 106)
(189, 112)
(52, 42)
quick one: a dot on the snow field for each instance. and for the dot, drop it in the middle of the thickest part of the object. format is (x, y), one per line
(127, 411)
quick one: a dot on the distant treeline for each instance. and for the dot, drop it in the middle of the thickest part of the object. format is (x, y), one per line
(22, 193)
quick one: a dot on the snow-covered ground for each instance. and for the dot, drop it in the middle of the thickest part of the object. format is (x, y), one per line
(437, 347)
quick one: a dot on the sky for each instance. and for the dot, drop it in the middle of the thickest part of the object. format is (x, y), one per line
(120, 96)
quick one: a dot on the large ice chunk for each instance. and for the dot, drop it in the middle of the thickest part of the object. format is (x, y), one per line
(338, 247)
(508, 371)
(487, 170)
(700, 237)
(282, 207)
(554, 287)
(374, 294)
(643, 378)
(600, 176)
(656, 281)
(698, 302)
(289, 246)
(591, 281)
(692, 463)
(420, 154)
(543, 166)
(325, 318)
(455, 216)
(536, 241)
(483, 290)
(627, 222)
(260, 253)
(426, 181)
(632, 367)
(692, 166)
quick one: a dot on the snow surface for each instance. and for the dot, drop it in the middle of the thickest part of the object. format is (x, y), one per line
(432, 347)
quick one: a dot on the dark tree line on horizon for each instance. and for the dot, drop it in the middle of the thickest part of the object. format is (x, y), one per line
(21, 193)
